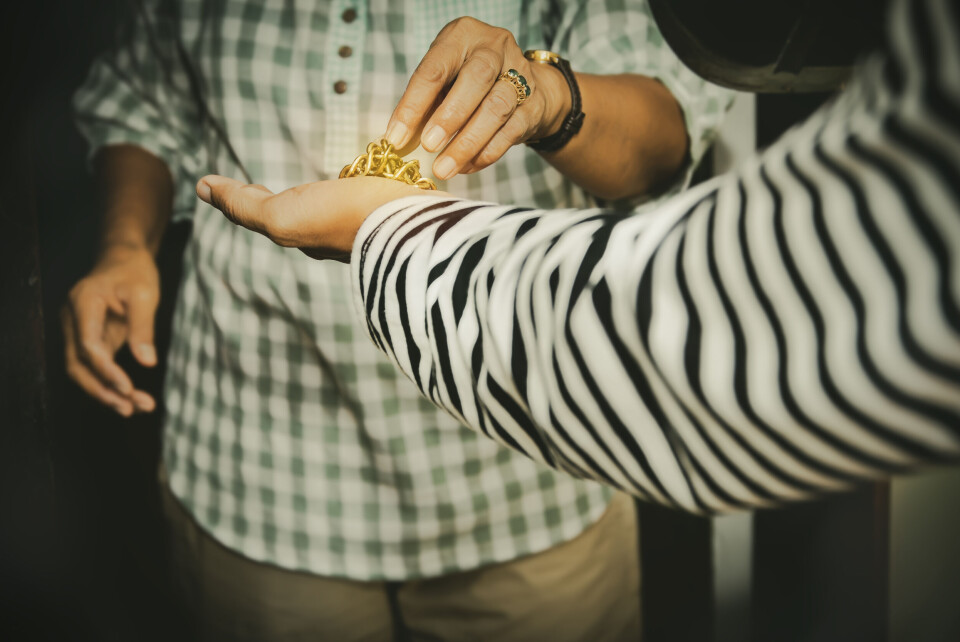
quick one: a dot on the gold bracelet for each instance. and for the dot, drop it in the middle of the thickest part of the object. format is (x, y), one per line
(381, 160)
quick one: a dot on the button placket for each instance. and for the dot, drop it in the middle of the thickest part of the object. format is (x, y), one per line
(344, 61)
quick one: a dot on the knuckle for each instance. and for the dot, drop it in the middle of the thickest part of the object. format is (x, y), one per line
(491, 154)
(486, 65)
(502, 35)
(142, 293)
(467, 146)
(232, 203)
(451, 115)
(432, 70)
(501, 104)
(463, 22)
(407, 114)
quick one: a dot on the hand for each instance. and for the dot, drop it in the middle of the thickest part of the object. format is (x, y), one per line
(115, 304)
(478, 119)
(321, 218)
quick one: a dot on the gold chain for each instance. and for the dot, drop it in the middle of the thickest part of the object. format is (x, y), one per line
(382, 160)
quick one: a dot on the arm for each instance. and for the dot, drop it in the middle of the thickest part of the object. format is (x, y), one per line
(634, 142)
(136, 190)
(116, 303)
(144, 146)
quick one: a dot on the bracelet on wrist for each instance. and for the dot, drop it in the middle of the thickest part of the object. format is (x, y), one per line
(574, 120)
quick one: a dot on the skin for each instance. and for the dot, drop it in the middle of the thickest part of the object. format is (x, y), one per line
(321, 218)
(116, 303)
(633, 138)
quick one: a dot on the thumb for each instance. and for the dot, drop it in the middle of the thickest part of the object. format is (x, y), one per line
(141, 313)
(241, 203)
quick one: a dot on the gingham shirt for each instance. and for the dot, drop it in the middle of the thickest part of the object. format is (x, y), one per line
(288, 436)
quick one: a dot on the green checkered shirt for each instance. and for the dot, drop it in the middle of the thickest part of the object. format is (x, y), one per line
(288, 436)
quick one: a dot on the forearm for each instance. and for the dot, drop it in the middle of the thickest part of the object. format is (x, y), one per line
(633, 139)
(136, 191)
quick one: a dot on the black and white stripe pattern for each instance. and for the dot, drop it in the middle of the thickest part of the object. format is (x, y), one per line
(780, 331)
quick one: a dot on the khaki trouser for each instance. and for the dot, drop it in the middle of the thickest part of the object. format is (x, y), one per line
(586, 590)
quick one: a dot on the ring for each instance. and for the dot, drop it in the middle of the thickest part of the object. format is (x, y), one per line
(519, 83)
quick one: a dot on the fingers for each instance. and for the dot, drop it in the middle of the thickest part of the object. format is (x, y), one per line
(83, 375)
(512, 133)
(470, 55)
(89, 320)
(141, 312)
(433, 75)
(498, 110)
(244, 204)
(469, 124)
(142, 401)
(474, 82)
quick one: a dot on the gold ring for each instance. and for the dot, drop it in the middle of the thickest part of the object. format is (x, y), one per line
(381, 160)
(519, 83)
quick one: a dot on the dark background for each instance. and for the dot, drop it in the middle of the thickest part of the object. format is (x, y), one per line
(81, 554)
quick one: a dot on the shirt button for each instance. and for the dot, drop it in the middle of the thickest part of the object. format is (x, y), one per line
(345, 51)
(349, 15)
(340, 86)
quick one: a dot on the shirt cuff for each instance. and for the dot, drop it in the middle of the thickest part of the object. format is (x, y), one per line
(184, 195)
(379, 222)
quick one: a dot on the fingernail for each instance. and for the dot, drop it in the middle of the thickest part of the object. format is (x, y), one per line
(122, 387)
(147, 352)
(121, 409)
(433, 138)
(397, 134)
(203, 191)
(444, 168)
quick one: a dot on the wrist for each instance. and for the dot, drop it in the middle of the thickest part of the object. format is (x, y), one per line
(573, 115)
(115, 249)
(133, 226)
(557, 100)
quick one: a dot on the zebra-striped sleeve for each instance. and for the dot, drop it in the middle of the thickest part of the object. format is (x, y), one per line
(784, 330)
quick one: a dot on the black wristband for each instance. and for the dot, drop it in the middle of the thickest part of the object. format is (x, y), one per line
(574, 120)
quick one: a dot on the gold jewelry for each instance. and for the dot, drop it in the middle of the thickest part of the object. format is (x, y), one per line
(574, 120)
(542, 55)
(381, 160)
(519, 83)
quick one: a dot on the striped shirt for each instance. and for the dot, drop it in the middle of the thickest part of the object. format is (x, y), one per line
(783, 330)
(288, 436)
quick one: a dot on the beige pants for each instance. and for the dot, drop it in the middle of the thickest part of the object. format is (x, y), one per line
(587, 589)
